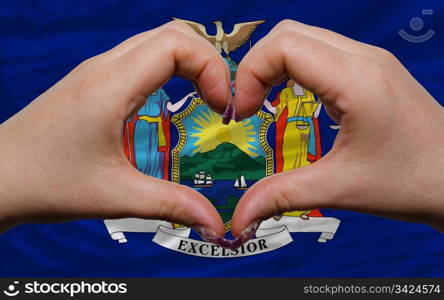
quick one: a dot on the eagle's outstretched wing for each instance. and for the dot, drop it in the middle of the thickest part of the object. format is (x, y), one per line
(240, 34)
(200, 30)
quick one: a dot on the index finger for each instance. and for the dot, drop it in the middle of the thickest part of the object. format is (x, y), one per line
(146, 63)
(312, 63)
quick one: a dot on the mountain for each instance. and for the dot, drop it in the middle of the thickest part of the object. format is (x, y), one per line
(225, 162)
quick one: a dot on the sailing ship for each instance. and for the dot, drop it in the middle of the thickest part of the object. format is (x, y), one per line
(240, 183)
(202, 179)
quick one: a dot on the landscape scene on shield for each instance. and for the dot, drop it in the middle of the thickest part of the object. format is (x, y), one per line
(221, 161)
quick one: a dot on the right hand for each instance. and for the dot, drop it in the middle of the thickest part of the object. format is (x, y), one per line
(388, 158)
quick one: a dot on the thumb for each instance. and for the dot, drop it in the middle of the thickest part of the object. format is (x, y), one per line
(314, 186)
(134, 194)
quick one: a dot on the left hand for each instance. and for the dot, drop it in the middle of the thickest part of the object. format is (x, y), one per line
(62, 156)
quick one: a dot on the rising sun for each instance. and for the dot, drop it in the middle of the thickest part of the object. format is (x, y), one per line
(210, 132)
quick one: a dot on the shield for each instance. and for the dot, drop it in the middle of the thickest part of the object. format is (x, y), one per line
(183, 141)
(220, 161)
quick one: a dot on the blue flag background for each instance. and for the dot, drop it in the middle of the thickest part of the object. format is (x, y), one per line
(41, 41)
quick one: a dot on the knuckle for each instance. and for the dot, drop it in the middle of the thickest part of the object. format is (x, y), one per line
(282, 193)
(386, 57)
(384, 53)
(135, 38)
(87, 63)
(283, 203)
(88, 79)
(286, 40)
(170, 37)
(172, 207)
(370, 67)
(377, 71)
(378, 75)
(177, 24)
(164, 209)
(284, 24)
(172, 33)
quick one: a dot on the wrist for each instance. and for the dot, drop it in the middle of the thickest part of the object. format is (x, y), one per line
(10, 184)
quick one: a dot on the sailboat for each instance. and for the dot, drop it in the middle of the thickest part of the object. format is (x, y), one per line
(240, 183)
(202, 179)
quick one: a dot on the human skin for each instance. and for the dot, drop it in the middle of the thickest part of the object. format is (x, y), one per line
(388, 157)
(62, 156)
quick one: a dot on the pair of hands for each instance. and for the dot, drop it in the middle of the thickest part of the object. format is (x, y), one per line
(62, 156)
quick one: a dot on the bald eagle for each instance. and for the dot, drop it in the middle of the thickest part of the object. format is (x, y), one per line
(222, 41)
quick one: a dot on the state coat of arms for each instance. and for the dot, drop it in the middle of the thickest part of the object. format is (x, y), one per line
(222, 161)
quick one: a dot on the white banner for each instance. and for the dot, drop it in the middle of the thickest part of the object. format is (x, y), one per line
(117, 227)
(325, 225)
(271, 235)
(272, 239)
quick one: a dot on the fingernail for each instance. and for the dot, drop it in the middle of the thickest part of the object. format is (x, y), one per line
(207, 234)
(236, 244)
(250, 230)
(224, 243)
(246, 235)
(238, 118)
(229, 112)
(210, 236)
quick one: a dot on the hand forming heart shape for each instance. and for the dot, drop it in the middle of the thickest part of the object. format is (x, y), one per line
(379, 151)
